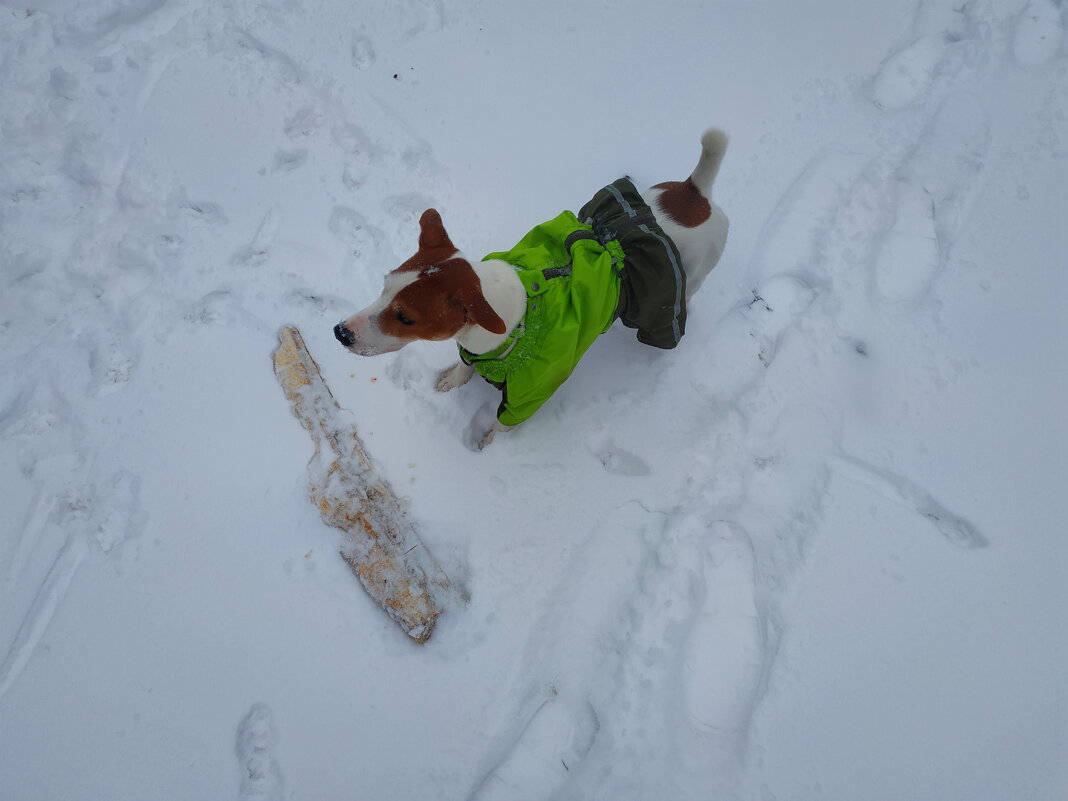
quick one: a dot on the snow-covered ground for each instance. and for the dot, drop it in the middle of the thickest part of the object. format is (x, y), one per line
(816, 552)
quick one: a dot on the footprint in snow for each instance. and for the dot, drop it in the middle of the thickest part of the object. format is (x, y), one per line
(776, 303)
(575, 647)
(908, 73)
(552, 744)
(909, 257)
(794, 237)
(910, 70)
(746, 341)
(932, 193)
(1039, 32)
(724, 653)
(261, 778)
(110, 363)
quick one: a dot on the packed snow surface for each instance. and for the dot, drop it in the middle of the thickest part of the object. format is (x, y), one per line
(816, 552)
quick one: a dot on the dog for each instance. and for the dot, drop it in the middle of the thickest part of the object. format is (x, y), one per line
(523, 318)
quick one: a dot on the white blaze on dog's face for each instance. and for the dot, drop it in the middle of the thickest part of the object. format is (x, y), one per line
(432, 296)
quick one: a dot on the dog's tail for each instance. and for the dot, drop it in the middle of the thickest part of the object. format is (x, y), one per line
(713, 146)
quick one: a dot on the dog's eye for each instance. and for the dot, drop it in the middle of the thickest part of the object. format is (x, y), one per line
(403, 319)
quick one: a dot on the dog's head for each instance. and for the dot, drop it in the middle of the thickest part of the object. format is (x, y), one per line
(432, 296)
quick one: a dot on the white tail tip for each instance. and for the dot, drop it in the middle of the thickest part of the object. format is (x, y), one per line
(713, 146)
(714, 141)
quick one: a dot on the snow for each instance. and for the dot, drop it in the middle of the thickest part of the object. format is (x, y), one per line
(816, 552)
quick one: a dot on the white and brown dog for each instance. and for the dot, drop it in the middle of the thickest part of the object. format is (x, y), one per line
(440, 293)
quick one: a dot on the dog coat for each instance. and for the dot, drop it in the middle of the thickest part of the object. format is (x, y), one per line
(580, 273)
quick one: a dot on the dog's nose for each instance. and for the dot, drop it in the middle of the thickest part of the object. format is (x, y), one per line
(344, 335)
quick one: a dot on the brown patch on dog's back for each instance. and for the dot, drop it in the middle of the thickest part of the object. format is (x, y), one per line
(684, 203)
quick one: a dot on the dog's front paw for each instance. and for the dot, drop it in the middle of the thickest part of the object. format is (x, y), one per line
(455, 376)
(487, 438)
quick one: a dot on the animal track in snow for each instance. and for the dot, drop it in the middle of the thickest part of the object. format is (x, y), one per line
(359, 154)
(303, 123)
(261, 778)
(223, 307)
(110, 363)
(289, 160)
(120, 515)
(318, 303)
(363, 52)
(197, 211)
(256, 252)
(403, 212)
(620, 461)
(1039, 32)
(427, 14)
(352, 229)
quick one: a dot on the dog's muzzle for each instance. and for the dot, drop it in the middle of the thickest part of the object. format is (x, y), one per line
(344, 335)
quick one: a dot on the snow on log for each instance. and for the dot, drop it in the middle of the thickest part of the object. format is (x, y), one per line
(380, 543)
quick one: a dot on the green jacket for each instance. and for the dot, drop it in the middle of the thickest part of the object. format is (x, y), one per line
(579, 277)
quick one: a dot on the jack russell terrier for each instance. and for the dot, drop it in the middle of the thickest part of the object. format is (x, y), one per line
(522, 318)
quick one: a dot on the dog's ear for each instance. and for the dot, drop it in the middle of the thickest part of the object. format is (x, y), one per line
(478, 310)
(432, 232)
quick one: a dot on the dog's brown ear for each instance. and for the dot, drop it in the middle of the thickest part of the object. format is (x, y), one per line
(432, 232)
(478, 310)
